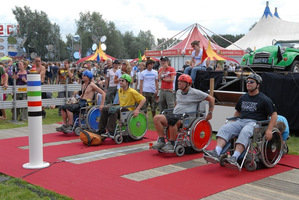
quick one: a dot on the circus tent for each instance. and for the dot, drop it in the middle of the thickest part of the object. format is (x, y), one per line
(99, 54)
(270, 27)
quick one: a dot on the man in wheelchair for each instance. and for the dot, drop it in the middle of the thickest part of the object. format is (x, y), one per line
(88, 91)
(187, 100)
(251, 107)
(127, 97)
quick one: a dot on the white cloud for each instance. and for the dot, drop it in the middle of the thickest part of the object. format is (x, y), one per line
(162, 18)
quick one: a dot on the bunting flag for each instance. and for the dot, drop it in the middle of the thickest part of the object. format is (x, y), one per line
(139, 56)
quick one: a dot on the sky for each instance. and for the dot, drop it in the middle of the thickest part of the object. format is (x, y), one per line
(163, 18)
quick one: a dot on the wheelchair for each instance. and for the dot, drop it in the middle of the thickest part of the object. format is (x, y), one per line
(194, 135)
(128, 126)
(259, 153)
(87, 119)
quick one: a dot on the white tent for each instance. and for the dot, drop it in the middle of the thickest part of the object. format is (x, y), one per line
(269, 27)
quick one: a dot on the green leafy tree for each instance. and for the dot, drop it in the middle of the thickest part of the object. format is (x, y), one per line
(223, 43)
(38, 29)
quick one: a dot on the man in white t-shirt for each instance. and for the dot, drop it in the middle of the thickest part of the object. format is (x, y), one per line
(149, 86)
(111, 89)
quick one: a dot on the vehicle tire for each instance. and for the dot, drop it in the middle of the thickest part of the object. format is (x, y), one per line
(295, 66)
(118, 139)
(250, 165)
(221, 159)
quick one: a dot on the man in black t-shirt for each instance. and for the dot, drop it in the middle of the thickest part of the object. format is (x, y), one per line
(251, 107)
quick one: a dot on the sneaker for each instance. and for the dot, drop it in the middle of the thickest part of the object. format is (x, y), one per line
(61, 128)
(168, 147)
(158, 145)
(212, 154)
(69, 129)
(232, 160)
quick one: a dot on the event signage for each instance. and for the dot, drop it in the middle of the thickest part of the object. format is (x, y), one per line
(232, 52)
(171, 52)
(8, 29)
(152, 53)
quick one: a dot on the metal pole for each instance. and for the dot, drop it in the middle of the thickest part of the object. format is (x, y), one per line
(14, 102)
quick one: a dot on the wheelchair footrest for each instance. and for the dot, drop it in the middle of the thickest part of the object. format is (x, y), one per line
(231, 166)
(210, 159)
(169, 151)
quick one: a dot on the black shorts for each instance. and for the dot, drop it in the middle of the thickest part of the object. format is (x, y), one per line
(172, 119)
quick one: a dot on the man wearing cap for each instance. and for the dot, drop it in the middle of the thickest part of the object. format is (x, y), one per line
(149, 86)
(188, 100)
(251, 107)
(166, 75)
(88, 91)
(127, 97)
(110, 85)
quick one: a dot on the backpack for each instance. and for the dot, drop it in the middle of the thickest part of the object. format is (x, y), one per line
(89, 138)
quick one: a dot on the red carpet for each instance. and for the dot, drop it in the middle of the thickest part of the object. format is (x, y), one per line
(102, 179)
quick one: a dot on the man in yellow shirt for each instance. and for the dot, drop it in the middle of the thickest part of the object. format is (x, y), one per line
(127, 97)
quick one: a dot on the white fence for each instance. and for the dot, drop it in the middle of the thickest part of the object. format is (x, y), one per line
(45, 88)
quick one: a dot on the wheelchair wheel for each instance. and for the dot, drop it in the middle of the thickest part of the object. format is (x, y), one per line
(179, 150)
(118, 139)
(77, 131)
(137, 126)
(221, 159)
(201, 134)
(250, 165)
(93, 118)
(272, 150)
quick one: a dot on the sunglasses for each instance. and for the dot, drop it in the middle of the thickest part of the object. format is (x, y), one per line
(122, 80)
(251, 82)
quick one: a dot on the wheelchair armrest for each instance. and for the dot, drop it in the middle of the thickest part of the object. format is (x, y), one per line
(186, 114)
(263, 122)
(231, 119)
(127, 107)
(167, 111)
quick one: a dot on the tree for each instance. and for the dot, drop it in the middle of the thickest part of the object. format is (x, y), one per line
(38, 29)
(167, 43)
(221, 42)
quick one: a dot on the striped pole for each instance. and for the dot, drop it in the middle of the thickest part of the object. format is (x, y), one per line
(35, 122)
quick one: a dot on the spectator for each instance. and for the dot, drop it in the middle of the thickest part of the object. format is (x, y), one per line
(166, 75)
(21, 79)
(149, 86)
(196, 63)
(110, 85)
(4, 84)
(141, 67)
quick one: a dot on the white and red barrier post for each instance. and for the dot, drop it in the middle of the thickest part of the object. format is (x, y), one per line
(35, 122)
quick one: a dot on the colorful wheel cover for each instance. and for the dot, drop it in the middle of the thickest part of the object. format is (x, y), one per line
(137, 126)
(201, 134)
(271, 150)
(93, 118)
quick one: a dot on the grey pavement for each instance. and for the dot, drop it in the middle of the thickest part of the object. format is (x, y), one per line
(24, 131)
